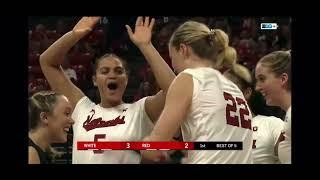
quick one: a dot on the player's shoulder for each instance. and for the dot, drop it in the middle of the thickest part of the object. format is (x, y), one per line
(267, 118)
(289, 109)
(274, 119)
(137, 104)
(34, 157)
(84, 105)
(201, 72)
(32, 150)
(85, 102)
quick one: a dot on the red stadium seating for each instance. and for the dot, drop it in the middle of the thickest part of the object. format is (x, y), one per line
(96, 36)
(36, 36)
(80, 58)
(53, 35)
(36, 71)
(39, 84)
(34, 59)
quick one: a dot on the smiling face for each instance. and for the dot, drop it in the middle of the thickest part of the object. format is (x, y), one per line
(268, 84)
(59, 120)
(273, 77)
(50, 111)
(111, 79)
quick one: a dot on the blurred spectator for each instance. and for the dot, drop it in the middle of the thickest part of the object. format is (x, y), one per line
(144, 91)
(200, 19)
(34, 46)
(36, 85)
(284, 38)
(248, 23)
(244, 34)
(69, 71)
(235, 41)
(262, 49)
(96, 41)
(224, 25)
(87, 47)
(120, 46)
(162, 39)
(148, 86)
(39, 35)
(61, 27)
(75, 49)
(246, 50)
(40, 28)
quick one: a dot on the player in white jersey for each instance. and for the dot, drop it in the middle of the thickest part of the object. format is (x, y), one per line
(273, 76)
(266, 129)
(284, 149)
(112, 119)
(206, 105)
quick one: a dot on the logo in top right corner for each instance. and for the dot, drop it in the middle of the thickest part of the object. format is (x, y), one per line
(268, 26)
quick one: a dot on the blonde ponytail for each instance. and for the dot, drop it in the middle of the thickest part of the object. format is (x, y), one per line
(227, 58)
(212, 44)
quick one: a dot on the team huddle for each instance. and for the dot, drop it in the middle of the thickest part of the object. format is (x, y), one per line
(196, 101)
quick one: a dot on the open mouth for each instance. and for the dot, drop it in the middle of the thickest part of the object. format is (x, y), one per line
(112, 86)
(66, 129)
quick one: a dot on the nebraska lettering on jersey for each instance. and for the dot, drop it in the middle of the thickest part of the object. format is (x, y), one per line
(90, 123)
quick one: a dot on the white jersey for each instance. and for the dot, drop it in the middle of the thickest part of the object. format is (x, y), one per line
(266, 131)
(284, 148)
(218, 112)
(126, 122)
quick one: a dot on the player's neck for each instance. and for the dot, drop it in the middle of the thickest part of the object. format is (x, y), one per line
(286, 101)
(109, 104)
(40, 138)
(196, 62)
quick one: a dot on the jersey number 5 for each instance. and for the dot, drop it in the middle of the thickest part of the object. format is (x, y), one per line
(96, 137)
(233, 107)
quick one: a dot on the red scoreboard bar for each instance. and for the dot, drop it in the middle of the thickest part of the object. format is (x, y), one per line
(101, 145)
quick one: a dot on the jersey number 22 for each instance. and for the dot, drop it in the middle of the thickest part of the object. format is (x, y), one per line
(233, 107)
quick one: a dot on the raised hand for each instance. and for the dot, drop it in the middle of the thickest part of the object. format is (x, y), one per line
(85, 25)
(143, 31)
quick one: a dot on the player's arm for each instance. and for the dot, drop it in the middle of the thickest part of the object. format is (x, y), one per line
(284, 145)
(276, 126)
(164, 77)
(33, 157)
(276, 146)
(53, 57)
(162, 72)
(177, 105)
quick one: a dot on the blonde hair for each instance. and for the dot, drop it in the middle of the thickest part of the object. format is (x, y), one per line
(242, 76)
(278, 62)
(42, 101)
(209, 44)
